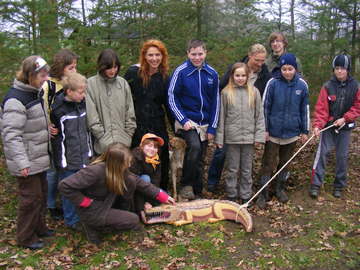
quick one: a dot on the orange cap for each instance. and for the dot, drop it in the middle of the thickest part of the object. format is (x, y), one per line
(152, 136)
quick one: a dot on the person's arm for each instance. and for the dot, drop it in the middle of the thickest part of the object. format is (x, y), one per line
(215, 107)
(13, 123)
(259, 119)
(354, 111)
(174, 94)
(130, 119)
(56, 140)
(95, 125)
(321, 114)
(305, 113)
(219, 139)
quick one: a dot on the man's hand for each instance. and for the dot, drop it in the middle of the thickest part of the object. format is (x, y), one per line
(210, 137)
(53, 130)
(219, 145)
(188, 126)
(339, 122)
(317, 131)
(303, 138)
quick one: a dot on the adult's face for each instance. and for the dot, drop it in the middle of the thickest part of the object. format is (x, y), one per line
(70, 68)
(39, 79)
(256, 60)
(197, 56)
(278, 46)
(153, 57)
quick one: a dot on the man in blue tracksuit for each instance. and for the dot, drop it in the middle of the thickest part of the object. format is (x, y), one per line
(194, 101)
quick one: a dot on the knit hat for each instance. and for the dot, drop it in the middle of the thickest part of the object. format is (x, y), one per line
(288, 59)
(153, 137)
(342, 60)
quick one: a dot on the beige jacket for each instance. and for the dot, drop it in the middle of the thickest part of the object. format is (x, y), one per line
(239, 123)
(110, 111)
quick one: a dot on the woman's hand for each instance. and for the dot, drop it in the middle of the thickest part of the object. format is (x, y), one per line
(53, 130)
(219, 145)
(170, 200)
(25, 172)
(267, 136)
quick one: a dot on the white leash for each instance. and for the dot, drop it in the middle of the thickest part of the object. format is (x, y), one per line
(272, 178)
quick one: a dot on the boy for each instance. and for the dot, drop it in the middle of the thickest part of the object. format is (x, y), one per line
(339, 104)
(72, 145)
(194, 102)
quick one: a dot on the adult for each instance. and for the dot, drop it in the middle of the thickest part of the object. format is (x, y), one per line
(194, 102)
(109, 105)
(25, 138)
(64, 63)
(148, 82)
(259, 76)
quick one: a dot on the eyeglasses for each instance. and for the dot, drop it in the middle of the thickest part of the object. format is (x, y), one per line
(276, 41)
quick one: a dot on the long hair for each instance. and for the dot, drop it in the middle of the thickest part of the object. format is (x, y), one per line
(144, 71)
(61, 59)
(230, 88)
(106, 60)
(117, 160)
(30, 68)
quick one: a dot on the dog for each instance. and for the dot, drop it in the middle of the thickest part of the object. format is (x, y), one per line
(176, 155)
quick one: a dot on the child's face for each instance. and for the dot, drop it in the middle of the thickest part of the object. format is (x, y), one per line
(76, 95)
(70, 68)
(341, 73)
(111, 72)
(197, 56)
(288, 72)
(150, 149)
(240, 77)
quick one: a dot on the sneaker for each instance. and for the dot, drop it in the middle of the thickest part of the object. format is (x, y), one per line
(76, 227)
(261, 201)
(48, 233)
(56, 213)
(187, 193)
(314, 191)
(33, 246)
(92, 234)
(337, 193)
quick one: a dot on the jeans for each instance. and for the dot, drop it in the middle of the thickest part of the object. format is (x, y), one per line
(70, 215)
(146, 178)
(52, 177)
(216, 166)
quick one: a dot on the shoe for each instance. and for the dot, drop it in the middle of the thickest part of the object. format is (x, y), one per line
(56, 213)
(280, 187)
(261, 201)
(187, 193)
(92, 234)
(76, 227)
(264, 195)
(33, 246)
(337, 193)
(211, 188)
(48, 233)
(314, 191)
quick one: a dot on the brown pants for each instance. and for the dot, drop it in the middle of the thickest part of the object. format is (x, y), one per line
(122, 220)
(32, 208)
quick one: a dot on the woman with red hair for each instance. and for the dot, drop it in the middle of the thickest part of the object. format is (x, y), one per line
(148, 82)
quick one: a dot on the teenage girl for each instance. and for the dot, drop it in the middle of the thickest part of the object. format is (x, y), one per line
(241, 126)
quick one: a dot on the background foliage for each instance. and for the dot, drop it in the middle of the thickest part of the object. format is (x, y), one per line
(317, 30)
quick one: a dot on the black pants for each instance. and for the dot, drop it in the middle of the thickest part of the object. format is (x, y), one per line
(193, 160)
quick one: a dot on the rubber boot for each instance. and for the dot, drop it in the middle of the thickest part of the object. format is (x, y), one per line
(264, 195)
(280, 187)
(92, 234)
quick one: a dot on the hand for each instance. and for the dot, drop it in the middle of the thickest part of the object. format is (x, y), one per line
(188, 126)
(170, 200)
(53, 130)
(339, 122)
(25, 172)
(210, 137)
(259, 146)
(267, 136)
(219, 145)
(317, 132)
(303, 138)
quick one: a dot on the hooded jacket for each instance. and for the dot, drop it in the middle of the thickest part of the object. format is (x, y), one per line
(24, 130)
(286, 107)
(193, 94)
(72, 145)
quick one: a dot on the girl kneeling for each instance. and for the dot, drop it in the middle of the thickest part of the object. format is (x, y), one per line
(94, 190)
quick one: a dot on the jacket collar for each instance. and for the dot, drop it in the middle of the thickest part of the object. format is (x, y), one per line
(107, 80)
(25, 87)
(192, 68)
(293, 81)
(346, 82)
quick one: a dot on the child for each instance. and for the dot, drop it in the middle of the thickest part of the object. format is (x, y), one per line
(339, 104)
(25, 137)
(146, 164)
(241, 124)
(286, 111)
(64, 63)
(72, 145)
(93, 191)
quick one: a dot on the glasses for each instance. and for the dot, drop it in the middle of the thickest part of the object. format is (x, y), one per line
(276, 41)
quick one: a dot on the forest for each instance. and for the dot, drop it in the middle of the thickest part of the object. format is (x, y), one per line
(316, 30)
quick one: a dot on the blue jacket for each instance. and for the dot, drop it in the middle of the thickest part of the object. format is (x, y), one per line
(193, 94)
(286, 107)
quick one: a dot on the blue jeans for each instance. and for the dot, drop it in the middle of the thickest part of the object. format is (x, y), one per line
(70, 215)
(146, 178)
(52, 178)
(216, 166)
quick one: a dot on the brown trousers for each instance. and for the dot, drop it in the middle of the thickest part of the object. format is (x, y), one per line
(121, 220)
(31, 208)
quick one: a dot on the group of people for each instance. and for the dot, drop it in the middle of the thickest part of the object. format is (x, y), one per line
(93, 123)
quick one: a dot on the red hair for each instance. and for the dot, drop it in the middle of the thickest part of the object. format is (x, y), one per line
(144, 70)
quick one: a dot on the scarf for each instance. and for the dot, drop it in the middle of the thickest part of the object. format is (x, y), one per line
(154, 161)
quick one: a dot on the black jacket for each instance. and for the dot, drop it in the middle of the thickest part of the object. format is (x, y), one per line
(72, 145)
(263, 77)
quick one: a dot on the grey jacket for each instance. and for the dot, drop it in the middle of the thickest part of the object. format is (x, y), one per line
(110, 111)
(24, 130)
(239, 123)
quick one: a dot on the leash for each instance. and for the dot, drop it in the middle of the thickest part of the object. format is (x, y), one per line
(245, 205)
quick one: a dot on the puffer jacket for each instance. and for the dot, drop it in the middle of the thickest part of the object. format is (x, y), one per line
(72, 145)
(286, 107)
(239, 122)
(110, 111)
(24, 130)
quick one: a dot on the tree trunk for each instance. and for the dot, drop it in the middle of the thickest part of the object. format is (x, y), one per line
(292, 17)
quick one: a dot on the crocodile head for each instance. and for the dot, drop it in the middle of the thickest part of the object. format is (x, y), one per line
(161, 214)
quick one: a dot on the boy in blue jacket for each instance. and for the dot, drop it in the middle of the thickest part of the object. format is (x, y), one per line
(286, 111)
(193, 97)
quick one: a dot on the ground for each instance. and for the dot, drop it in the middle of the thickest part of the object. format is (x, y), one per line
(302, 234)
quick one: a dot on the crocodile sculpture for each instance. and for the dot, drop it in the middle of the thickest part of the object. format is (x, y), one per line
(198, 210)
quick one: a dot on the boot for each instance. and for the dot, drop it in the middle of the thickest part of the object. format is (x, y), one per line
(264, 195)
(337, 192)
(92, 234)
(314, 191)
(280, 187)
(187, 193)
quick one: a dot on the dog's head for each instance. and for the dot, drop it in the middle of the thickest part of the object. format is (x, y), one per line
(177, 143)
